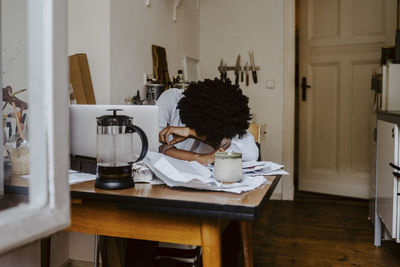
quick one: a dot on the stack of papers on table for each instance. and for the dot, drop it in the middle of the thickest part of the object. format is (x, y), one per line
(75, 177)
(179, 173)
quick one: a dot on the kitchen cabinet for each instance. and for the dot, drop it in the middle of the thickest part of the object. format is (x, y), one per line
(387, 201)
(387, 183)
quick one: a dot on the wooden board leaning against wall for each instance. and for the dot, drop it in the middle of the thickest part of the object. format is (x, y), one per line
(80, 79)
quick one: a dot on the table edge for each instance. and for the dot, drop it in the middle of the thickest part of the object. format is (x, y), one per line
(171, 206)
(225, 211)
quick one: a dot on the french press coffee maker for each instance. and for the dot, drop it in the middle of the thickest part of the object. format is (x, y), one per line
(115, 154)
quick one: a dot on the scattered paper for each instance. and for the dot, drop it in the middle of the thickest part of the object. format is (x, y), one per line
(75, 177)
(156, 181)
(179, 173)
(141, 173)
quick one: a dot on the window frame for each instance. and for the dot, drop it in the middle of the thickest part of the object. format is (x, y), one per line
(48, 210)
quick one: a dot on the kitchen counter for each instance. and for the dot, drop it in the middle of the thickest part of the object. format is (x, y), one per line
(389, 116)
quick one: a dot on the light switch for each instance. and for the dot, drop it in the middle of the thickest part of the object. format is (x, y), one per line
(270, 84)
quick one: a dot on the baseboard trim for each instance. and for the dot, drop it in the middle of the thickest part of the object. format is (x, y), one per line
(276, 196)
(358, 191)
(76, 263)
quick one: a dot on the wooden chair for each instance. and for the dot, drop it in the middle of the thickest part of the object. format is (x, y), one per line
(255, 130)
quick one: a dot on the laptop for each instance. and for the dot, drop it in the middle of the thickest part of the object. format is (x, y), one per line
(83, 125)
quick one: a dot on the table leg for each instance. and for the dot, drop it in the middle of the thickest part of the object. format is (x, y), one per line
(45, 246)
(211, 242)
(96, 251)
(377, 230)
(245, 230)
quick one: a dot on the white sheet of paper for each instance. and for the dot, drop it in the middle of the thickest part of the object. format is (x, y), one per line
(265, 166)
(178, 170)
(75, 177)
(178, 173)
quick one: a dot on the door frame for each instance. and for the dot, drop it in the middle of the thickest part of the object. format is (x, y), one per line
(288, 98)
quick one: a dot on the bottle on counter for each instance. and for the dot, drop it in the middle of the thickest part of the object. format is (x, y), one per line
(180, 82)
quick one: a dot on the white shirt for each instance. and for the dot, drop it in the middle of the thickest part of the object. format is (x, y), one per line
(169, 116)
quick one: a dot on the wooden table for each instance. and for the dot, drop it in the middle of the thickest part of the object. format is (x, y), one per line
(160, 213)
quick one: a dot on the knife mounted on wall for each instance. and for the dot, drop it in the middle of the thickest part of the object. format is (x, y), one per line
(237, 70)
(246, 69)
(221, 69)
(253, 66)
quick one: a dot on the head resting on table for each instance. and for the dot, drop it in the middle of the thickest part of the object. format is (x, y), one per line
(216, 110)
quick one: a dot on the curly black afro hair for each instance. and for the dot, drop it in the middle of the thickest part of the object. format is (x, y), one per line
(215, 109)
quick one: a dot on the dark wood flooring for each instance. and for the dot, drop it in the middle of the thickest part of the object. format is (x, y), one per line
(318, 230)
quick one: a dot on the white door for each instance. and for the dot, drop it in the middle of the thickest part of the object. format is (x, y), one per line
(340, 47)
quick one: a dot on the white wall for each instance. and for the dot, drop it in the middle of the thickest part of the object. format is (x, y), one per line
(135, 27)
(81, 247)
(59, 249)
(117, 37)
(14, 45)
(89, 32)
(27, 256)
(232, 27)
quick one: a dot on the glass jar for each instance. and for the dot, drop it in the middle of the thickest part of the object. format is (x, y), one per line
(228, 167)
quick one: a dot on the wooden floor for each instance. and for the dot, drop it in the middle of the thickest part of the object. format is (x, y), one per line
(317, 230)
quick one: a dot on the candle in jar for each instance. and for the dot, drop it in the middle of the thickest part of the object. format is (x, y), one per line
(228, 167)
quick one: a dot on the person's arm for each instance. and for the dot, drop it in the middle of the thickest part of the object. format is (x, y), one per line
(167, 106)
(204, 159)
(245, 145)
(178, 135)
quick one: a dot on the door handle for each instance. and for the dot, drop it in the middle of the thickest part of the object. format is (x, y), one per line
(394, 166)
(396, 174)
(304, 87)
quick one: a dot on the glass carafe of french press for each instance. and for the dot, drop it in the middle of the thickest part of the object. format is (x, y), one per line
(115, 154)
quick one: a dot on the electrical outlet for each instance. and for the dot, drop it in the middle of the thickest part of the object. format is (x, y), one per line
(270, 84)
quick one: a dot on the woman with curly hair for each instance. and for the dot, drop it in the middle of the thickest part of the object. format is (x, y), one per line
(208, 117)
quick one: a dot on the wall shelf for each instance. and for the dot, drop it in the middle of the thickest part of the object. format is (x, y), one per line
(177, 3)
